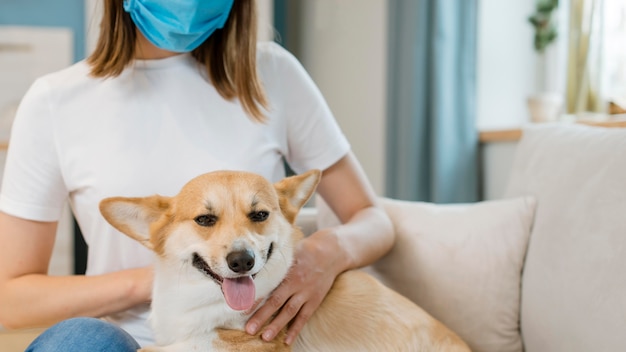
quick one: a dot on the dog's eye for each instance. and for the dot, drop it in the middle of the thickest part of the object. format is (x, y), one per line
(258, 216)
(206, 220)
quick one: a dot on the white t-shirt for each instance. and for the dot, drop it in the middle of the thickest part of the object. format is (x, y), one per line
(149, 131)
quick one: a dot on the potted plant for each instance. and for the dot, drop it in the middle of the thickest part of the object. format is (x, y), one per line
(544, 105)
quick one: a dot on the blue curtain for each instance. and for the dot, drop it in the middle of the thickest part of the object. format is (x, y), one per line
(432, 152)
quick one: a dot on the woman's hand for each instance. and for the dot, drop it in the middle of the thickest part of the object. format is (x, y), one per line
(317, 263)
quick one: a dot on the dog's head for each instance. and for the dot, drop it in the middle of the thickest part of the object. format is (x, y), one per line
(233, 228)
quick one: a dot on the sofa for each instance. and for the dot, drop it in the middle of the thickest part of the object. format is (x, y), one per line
(542, 269)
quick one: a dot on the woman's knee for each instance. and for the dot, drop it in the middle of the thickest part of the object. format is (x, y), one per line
(83, 334)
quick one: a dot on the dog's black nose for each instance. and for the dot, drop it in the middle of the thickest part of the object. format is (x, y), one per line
(240, 261)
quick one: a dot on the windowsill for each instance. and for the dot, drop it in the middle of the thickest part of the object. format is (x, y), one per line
(514, 134)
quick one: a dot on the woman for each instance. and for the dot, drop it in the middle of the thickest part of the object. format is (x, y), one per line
(173, 90)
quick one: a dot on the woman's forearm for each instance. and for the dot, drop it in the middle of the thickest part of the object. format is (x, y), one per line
(366, 237)
(367, 232)
(35, 300)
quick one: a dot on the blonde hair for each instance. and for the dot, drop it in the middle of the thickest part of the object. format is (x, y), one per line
(229, 54)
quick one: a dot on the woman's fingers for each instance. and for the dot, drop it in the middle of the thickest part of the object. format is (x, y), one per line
(289, 311)
(276, 300)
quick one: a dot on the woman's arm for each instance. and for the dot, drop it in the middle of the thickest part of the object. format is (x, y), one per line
(30, 298)
(365, 235)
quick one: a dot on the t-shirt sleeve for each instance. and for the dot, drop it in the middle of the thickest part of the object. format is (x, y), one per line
(314, 139)
(32, 186)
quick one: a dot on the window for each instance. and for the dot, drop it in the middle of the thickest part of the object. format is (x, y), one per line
(614, 48)
(596, 80)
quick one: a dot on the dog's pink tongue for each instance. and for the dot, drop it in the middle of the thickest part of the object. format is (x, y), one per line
(239, 292)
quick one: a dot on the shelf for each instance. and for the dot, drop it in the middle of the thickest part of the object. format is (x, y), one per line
(514, 134)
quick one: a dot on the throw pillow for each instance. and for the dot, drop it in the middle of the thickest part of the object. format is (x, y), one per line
(462, 263)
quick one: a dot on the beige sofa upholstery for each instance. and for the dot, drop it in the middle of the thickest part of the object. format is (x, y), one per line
(574, 282)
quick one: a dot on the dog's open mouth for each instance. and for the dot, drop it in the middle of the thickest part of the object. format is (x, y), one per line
(204, 267)
(239, 292)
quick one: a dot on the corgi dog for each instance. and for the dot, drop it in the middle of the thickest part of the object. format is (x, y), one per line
(225, 242)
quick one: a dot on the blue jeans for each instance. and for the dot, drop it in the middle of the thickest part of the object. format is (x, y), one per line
(84, 335)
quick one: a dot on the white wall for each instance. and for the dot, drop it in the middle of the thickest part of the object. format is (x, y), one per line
(496, 168)
(505, 63)
(266, 19)
(505, 77)
(344, 48)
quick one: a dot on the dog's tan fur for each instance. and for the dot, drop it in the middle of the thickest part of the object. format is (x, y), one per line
(189, 312)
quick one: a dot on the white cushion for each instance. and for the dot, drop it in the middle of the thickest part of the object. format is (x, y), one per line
(574, 282)
(462, 263)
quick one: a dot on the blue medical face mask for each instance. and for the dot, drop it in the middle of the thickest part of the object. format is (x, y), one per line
(178, 25)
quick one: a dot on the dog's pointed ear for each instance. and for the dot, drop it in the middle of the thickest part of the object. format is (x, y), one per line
(295, 191)
(133, 216)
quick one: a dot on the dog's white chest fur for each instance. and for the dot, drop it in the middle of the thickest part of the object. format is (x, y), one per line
(188, 307)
